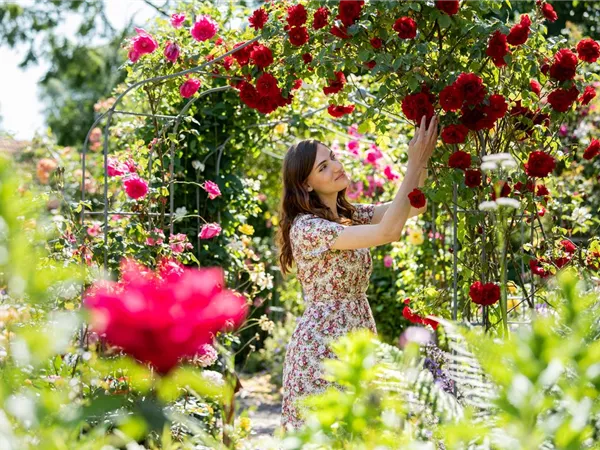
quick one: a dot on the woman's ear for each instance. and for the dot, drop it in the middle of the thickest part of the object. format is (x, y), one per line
(308, 188)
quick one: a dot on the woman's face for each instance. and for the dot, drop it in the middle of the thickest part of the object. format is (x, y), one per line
(327, 175)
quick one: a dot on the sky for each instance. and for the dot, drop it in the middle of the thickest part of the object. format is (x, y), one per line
(21, 108)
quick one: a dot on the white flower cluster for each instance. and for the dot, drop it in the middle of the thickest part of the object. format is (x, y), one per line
(493, 162)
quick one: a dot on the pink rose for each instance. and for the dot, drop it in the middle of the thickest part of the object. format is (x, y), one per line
(162, 317)
(209, 231)
(94, 230)
(179, 242)
(143, 43)
(190, 87)
(353, 147)
(177, 20)
(388, 261)
(353, 131)
(390, 174)
(135, 187)
(114, 168)
(212, 188)
(133, 55)
(171, 51)
(204, 29)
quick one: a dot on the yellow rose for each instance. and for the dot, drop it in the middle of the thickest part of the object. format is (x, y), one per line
(281, 128)
(511, 303)
(275, 220)
(512, 288)
(245, 424)
(246, 229)
(415, 236)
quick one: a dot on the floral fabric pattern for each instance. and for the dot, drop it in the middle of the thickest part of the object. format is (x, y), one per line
(334, 285)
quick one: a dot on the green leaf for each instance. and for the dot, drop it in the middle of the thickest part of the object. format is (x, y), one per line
(444, 21)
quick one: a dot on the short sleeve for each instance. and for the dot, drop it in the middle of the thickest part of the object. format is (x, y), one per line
(312, 236)
(364, 213)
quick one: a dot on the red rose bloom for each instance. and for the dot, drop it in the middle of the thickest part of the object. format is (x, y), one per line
(592, 150)
(450, 7)
(307, 58)
(339, 111)
(472, 88)
(349, 11)
(472, 178)
(340, 32)
(406, 28)
(588, 50)
(258, 19)
(296, 15)
(415, 106)
(298, 36)
(563, 67)
(537, 269)
(519, 33)
(587, 95)
(475, 119)
(459, 160)
(568, 246)
(535, 87)
(505, 189)
(454, 134)
(539, 164)
(266, 85)
(497, 48)
(549, 13)
(417, 198)
(261, 56)
(542, 191)
(376, 43)
(484, 294)
(335, 85)
(320, 18)
(497, 107)
(242, 56)
(451, 98)
(562, 99)
(371, 64)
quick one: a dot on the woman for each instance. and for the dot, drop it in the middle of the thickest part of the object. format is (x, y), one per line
(329, 239)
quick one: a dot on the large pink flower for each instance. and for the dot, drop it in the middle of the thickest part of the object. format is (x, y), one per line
(161, 317)
(190, 87)
(177, 20)
(143, 43)
(212, 188)
(135, 187)
(209, 231)
(204, 28)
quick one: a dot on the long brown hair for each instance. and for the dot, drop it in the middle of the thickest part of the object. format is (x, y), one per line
(296, 199)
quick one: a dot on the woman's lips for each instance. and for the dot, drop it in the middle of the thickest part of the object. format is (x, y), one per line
(340, 176)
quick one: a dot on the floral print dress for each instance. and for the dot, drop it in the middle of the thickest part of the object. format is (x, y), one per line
(334, 285)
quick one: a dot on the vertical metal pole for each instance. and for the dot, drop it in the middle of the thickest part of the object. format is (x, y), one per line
(454, 253)
(106, 128)
(433, 241)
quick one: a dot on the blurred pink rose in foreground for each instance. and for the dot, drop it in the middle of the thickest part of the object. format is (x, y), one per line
(161, 317)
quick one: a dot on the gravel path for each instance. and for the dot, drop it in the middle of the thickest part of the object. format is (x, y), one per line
(262, 399)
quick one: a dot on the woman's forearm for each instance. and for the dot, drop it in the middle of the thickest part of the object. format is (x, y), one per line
(398, 212)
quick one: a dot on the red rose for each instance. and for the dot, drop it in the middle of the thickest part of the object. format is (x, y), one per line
(497, 107)
(450, 7)
(568, 246)
(454, 134)
(406, 28)
(484, 294)
(320, 18)
(451, 98)
(189, 87)
(588, 50)
(563, 67)
(371, 64)
(519, 33)
(415, 106)
(297, 84)
(562, 99)
(242, 56)
(537, 269)
(474, 119)
(417, 198)
(549, 13)
(430, 95)
(307, 58)
(376, 43)
(472, 178)
(261, 56)
(296, 15)
(298, 36)
(459, 160)
(335, 85)
(340, 32)
(539, 164)
(497, 48)
(472, 88)
(258, 19)
(535, 87)
(542, 191)
(592, 150)
(339, 111)
(349, 11)
(266, 85)
(504, 187)
(587, 95)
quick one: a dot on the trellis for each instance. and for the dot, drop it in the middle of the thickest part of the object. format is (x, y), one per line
(174, 121)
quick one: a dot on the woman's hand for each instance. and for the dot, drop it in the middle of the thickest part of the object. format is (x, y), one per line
(422, 145)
